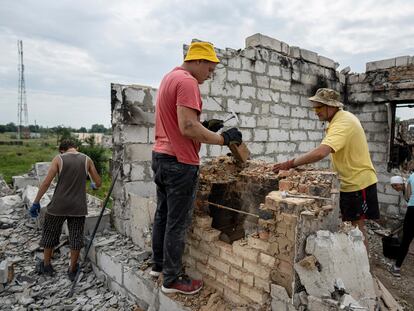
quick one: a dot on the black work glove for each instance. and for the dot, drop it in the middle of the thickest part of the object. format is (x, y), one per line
(232, 135)
(213, 125)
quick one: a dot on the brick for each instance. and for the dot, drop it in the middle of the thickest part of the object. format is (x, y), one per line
(223, 246)
(285, 267)
(285, 185)
(283, 280)
(262, 284)
(259, 244)
(267, 260)
(289, 219)
(242, 276)
(235, 297)
(197, 254)
(257, 295)
(203, 221)
(245, 251)
(219, 264)
(228, 282)
(209, 248)
(206, 270)
(232, 258)
(207, 234)
(258, 270)
(303, 188)
(213, 284)
(241, 153)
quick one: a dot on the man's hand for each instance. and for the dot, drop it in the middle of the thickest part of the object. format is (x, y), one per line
(213, 125)
(93, 186)
(232, 135)
(34, 210)
(283, 166)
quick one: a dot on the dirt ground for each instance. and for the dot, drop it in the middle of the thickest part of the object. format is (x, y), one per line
(401, 288)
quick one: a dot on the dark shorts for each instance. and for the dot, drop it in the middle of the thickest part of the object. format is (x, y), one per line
(52, 228)
(358, 205)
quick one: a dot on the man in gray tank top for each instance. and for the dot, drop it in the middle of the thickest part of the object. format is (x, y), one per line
(68, 203)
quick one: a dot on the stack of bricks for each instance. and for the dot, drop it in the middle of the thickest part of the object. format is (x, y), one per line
(244, 270)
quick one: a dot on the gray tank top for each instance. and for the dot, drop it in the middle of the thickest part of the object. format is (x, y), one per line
(69, 198)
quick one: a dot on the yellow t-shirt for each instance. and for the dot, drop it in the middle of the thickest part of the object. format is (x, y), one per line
(351, 158)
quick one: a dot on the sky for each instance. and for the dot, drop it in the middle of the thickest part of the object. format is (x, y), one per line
(74, 50)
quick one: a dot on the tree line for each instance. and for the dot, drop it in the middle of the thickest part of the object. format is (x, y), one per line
(95, 128)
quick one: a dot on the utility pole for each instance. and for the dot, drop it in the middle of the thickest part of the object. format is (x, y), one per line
(22, 115)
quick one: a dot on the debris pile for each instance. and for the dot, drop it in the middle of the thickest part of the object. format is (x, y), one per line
(22, 289)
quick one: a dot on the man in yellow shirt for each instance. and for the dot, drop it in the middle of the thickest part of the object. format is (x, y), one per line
(345, 141)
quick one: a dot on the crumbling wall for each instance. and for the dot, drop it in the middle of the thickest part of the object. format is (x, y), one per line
(244, 270)
(372, 96)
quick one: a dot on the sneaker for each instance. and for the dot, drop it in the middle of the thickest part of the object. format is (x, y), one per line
(183, 285)
(395, 271)
(156, 270)
(46, 270)
(72, 274)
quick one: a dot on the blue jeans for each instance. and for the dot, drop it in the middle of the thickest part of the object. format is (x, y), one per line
(176, 188)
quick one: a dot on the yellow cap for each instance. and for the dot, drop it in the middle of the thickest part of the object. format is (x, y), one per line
(201, 50)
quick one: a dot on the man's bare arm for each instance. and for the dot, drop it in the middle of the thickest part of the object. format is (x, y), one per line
(191, 127)
(93, 173)
(314, 155)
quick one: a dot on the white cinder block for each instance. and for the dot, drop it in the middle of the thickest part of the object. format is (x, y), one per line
(135, 134)
(298, 112)
(248, 92)
(242, 77)
(298, 135)
(239, 105)
(278, 135)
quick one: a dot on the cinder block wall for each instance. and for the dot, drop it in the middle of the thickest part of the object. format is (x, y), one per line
(268, 84)
(385, 82)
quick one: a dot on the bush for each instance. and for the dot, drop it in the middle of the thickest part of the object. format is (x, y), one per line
(97, 154)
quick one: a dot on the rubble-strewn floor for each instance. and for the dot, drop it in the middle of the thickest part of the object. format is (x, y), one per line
(29, 291)
(401, 288)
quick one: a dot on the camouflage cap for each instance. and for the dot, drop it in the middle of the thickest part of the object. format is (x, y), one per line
(327, 97)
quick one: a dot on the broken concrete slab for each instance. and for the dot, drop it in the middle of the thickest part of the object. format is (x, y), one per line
(29, 194)
(10, 202)
(340, 256)
(4, 188)
(21, 181)
(41, 169)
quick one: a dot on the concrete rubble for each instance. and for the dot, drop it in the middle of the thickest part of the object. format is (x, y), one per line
(337, 262)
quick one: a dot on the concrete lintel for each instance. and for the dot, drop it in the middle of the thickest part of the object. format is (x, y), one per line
(381, 64)
(261, 40)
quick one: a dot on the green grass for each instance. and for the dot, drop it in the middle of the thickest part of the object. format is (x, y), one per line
(18, 160)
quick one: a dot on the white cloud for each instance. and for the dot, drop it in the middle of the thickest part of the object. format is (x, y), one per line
(75, 49)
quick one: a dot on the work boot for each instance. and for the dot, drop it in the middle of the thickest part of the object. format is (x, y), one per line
(395, 271)
(72, 274)
(155, 270)
(41, 268)
(184, 285)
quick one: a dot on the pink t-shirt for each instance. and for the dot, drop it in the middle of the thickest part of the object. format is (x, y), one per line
(178, 87)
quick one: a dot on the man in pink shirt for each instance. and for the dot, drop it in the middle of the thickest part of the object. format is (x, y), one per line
(175, 161)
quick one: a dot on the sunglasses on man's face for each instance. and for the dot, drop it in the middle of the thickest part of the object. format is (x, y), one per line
(317, 108)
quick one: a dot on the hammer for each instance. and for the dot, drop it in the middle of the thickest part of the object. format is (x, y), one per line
(285, 194)
(233, 116)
